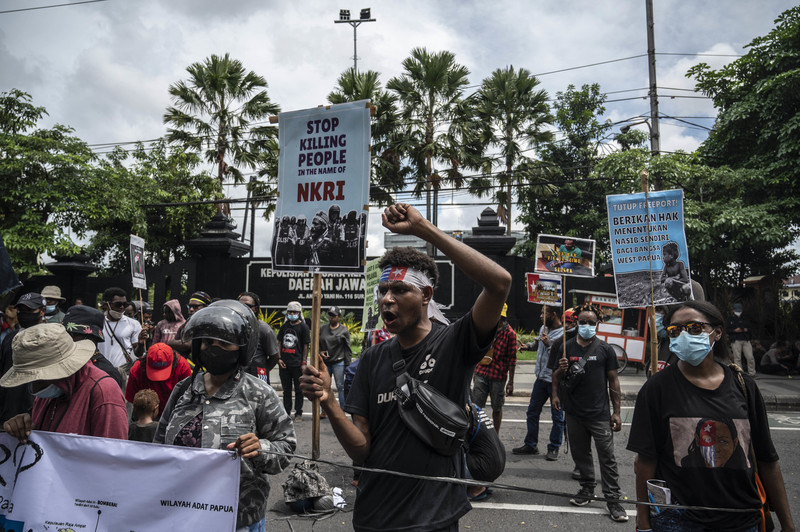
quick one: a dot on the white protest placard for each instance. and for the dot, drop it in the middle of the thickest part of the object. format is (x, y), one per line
(323, 189)
(71, 482)
(137, 263)
(648, 248)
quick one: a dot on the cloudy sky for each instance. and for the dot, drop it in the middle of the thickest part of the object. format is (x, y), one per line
(104, 68)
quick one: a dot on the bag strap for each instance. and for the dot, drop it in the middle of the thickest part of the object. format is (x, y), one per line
(121, 345)
(589, 352)
(398, 364)
(740, 379)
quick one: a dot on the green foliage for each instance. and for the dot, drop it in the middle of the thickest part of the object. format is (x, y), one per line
(220, 113)
(439, 136)
(758, 125)
(388, 170)
(512, 114)
(569, 195)
(46, 184)
(158, 174)
(731, 232)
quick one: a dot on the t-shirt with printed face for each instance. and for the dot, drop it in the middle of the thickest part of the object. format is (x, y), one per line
(701, 441)
(589, 399)
(293, 338)
(445, 359)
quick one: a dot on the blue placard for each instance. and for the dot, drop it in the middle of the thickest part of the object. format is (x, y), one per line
(648, 248)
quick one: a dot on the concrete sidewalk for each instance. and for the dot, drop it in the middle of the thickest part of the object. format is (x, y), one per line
(780, 393)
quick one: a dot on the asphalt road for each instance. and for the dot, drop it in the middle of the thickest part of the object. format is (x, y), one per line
(513, 510)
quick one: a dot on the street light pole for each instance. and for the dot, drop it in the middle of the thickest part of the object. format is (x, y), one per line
(344, 18)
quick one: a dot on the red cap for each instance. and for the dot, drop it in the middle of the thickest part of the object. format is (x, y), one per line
(159, 362)
(569, 315)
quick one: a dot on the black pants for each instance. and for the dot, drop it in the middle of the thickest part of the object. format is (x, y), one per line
(291, 377)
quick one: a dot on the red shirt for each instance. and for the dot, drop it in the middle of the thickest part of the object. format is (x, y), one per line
(91, 406)
(138, 381)
(504, 358)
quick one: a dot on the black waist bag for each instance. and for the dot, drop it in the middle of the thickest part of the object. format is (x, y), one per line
(428, 413)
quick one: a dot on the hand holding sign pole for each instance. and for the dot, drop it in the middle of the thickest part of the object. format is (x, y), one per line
(323, 200)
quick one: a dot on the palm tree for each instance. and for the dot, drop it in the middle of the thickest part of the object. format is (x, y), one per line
(437, 125)
(388, 171)
(514, 114)
(220, 113)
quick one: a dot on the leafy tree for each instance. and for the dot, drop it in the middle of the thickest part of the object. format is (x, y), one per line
(438, 125)
(388, 170)
(150, 176)
(729, 235)
(568, 199)
(758, 121)
(46, 184)
(513, 114)
(220, 112)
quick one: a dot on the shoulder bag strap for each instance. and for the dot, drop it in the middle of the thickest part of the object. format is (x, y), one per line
(121, 345)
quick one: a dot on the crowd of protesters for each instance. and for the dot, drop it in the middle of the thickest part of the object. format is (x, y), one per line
(699, 425)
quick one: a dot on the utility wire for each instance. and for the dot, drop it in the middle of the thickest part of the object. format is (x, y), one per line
(53, 5)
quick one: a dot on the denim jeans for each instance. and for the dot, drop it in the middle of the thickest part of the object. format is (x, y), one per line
(542, 391)
(581, 432)
(258, 526)
(337, 372)
(672, 520)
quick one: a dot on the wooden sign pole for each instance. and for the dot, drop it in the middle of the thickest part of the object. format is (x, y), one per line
(651, 311)
(316, 303)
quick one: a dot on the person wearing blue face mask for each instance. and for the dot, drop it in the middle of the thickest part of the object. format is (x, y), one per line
(589, 374)
(701, 429)
(71, 395)
(294, 339)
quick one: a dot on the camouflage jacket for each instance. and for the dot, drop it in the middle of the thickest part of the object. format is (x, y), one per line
(243, 404)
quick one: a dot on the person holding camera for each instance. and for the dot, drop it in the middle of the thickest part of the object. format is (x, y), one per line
(588, 380)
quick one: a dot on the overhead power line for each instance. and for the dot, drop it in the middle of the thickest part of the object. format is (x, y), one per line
(50, 6)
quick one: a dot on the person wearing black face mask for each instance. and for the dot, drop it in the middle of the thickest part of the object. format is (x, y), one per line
(223, 407)
(30, 309)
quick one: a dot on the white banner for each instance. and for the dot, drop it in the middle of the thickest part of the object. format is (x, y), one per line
(323, 189)
(71, 482)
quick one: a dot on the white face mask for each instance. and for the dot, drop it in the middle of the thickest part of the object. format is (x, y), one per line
(115, 314)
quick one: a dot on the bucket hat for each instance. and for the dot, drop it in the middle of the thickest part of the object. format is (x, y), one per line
(52, 292)
(45, 352)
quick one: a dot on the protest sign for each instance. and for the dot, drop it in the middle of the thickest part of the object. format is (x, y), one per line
(323, 189)
(648, 248)
(544, 288)
(71, 482)
(565, 255)
(137, 263)
(372, 316)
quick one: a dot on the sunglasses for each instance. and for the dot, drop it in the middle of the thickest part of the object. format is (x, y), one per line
(692, 327)
(196, 306)
(118, 304)
(591, 323)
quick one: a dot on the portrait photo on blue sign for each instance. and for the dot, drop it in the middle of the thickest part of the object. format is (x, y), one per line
(648, 248)
(565, 255)
(323, 189)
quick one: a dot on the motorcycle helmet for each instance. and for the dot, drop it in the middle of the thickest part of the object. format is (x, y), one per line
(226, 320)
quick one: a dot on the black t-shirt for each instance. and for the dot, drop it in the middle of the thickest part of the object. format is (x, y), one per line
(445, 359)
(589, 399)
(687, 429)
(292, 339)
(267, 346)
